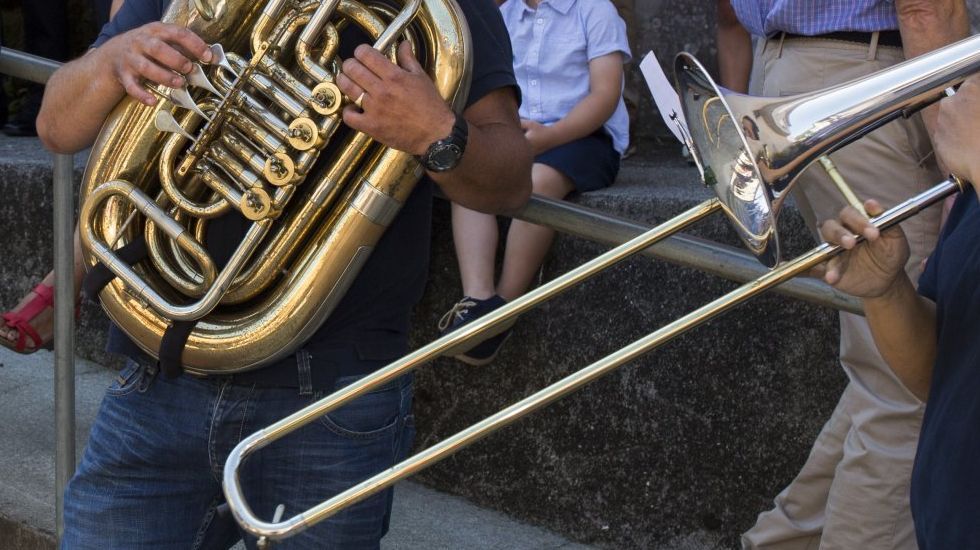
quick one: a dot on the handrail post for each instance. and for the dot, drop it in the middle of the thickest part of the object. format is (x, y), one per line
(64, 331)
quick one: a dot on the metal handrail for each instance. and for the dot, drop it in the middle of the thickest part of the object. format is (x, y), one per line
(710, 257)
(716, 259)
(38, 69)
(26, 66)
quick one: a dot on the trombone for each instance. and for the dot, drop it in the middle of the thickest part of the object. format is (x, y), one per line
(749, 150)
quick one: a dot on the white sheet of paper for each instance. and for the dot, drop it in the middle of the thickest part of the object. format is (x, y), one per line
(664, 94)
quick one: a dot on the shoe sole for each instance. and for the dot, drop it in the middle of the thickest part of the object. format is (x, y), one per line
(477, 362)
(461, 349)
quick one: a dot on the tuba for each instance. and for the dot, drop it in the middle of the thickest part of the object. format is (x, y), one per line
(258, 135)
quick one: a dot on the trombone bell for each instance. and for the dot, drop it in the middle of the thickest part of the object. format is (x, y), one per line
(727, 163)
(752, 149)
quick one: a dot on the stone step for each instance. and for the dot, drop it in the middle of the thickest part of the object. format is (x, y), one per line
(422, 518)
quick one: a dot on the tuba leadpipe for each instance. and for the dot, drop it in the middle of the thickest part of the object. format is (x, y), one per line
(739, 174)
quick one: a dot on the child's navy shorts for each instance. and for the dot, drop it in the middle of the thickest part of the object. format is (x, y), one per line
(590, 162)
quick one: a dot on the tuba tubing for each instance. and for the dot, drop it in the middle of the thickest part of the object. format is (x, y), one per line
(308, 233)
(947, 70)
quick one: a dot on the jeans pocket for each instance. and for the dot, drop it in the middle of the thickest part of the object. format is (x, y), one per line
(128, 379)
(370, 416)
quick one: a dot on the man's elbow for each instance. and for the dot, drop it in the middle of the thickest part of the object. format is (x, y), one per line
(516, 199)
(507, 199)
(927, 15)
(52, 139)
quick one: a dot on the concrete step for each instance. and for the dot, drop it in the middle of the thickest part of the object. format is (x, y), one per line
(423, 518)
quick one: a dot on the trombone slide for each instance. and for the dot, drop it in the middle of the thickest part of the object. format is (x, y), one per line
(555, 391)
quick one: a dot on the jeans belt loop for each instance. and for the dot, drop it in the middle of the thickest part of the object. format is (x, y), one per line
(147, 374)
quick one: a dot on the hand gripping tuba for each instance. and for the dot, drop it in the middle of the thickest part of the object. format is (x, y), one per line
(257, 134)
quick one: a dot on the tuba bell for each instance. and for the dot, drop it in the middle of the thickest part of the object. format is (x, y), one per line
(256, 134)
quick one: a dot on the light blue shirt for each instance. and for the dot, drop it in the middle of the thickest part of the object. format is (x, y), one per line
(552, 49)
(813, 17)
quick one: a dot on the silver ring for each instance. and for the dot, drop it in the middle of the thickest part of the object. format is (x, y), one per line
(359, 100)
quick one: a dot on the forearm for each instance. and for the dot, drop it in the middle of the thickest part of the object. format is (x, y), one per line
(734, 50)
(927, 25)
(494, 175)
(584, 119)
(592, 111)
(77, 99)
(903, 324)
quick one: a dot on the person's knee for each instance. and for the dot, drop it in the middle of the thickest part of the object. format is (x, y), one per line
(549, 182)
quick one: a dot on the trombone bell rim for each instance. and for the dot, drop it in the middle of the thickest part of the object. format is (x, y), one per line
(727, 163)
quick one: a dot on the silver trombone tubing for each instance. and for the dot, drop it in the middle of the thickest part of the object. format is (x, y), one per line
(495, 321)
(455, 443)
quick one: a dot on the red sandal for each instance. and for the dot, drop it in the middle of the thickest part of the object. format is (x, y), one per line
(21, 321)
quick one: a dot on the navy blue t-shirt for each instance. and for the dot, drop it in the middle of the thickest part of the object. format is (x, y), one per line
(946, 478)
(373, 316)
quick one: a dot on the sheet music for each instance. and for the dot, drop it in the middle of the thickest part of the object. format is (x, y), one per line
(665, 96)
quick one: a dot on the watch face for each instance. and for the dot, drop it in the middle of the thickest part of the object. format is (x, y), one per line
(443, 157)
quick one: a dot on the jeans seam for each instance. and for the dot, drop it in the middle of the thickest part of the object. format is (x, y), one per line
(248, 401)
(212, 452)
(130, 385)
(328, 423)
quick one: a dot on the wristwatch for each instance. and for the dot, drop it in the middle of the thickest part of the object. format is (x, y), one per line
(444, 154)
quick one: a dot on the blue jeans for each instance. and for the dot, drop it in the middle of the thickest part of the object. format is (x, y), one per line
(151, 473)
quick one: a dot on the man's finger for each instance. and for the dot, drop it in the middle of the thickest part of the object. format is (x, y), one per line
(835, 269)
(362, 76)
(136, 90)
(147, 69)
(375, 62)
(187, 40)
(857, 223)
(348, 87)
(407, 60)
(873, 207)
(355, 118)
(167, 56)
(835, 233)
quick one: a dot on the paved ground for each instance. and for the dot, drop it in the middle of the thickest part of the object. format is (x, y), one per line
(423, 518)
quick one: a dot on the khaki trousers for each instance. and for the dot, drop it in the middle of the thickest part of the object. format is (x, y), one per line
(853, 490)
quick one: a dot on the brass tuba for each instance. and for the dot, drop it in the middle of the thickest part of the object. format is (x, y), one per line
(257, 133)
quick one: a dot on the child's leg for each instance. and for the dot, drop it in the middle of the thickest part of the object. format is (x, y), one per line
(527, 244)
(475, 238)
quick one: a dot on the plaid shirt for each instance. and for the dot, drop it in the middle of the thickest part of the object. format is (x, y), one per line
(813, 17)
